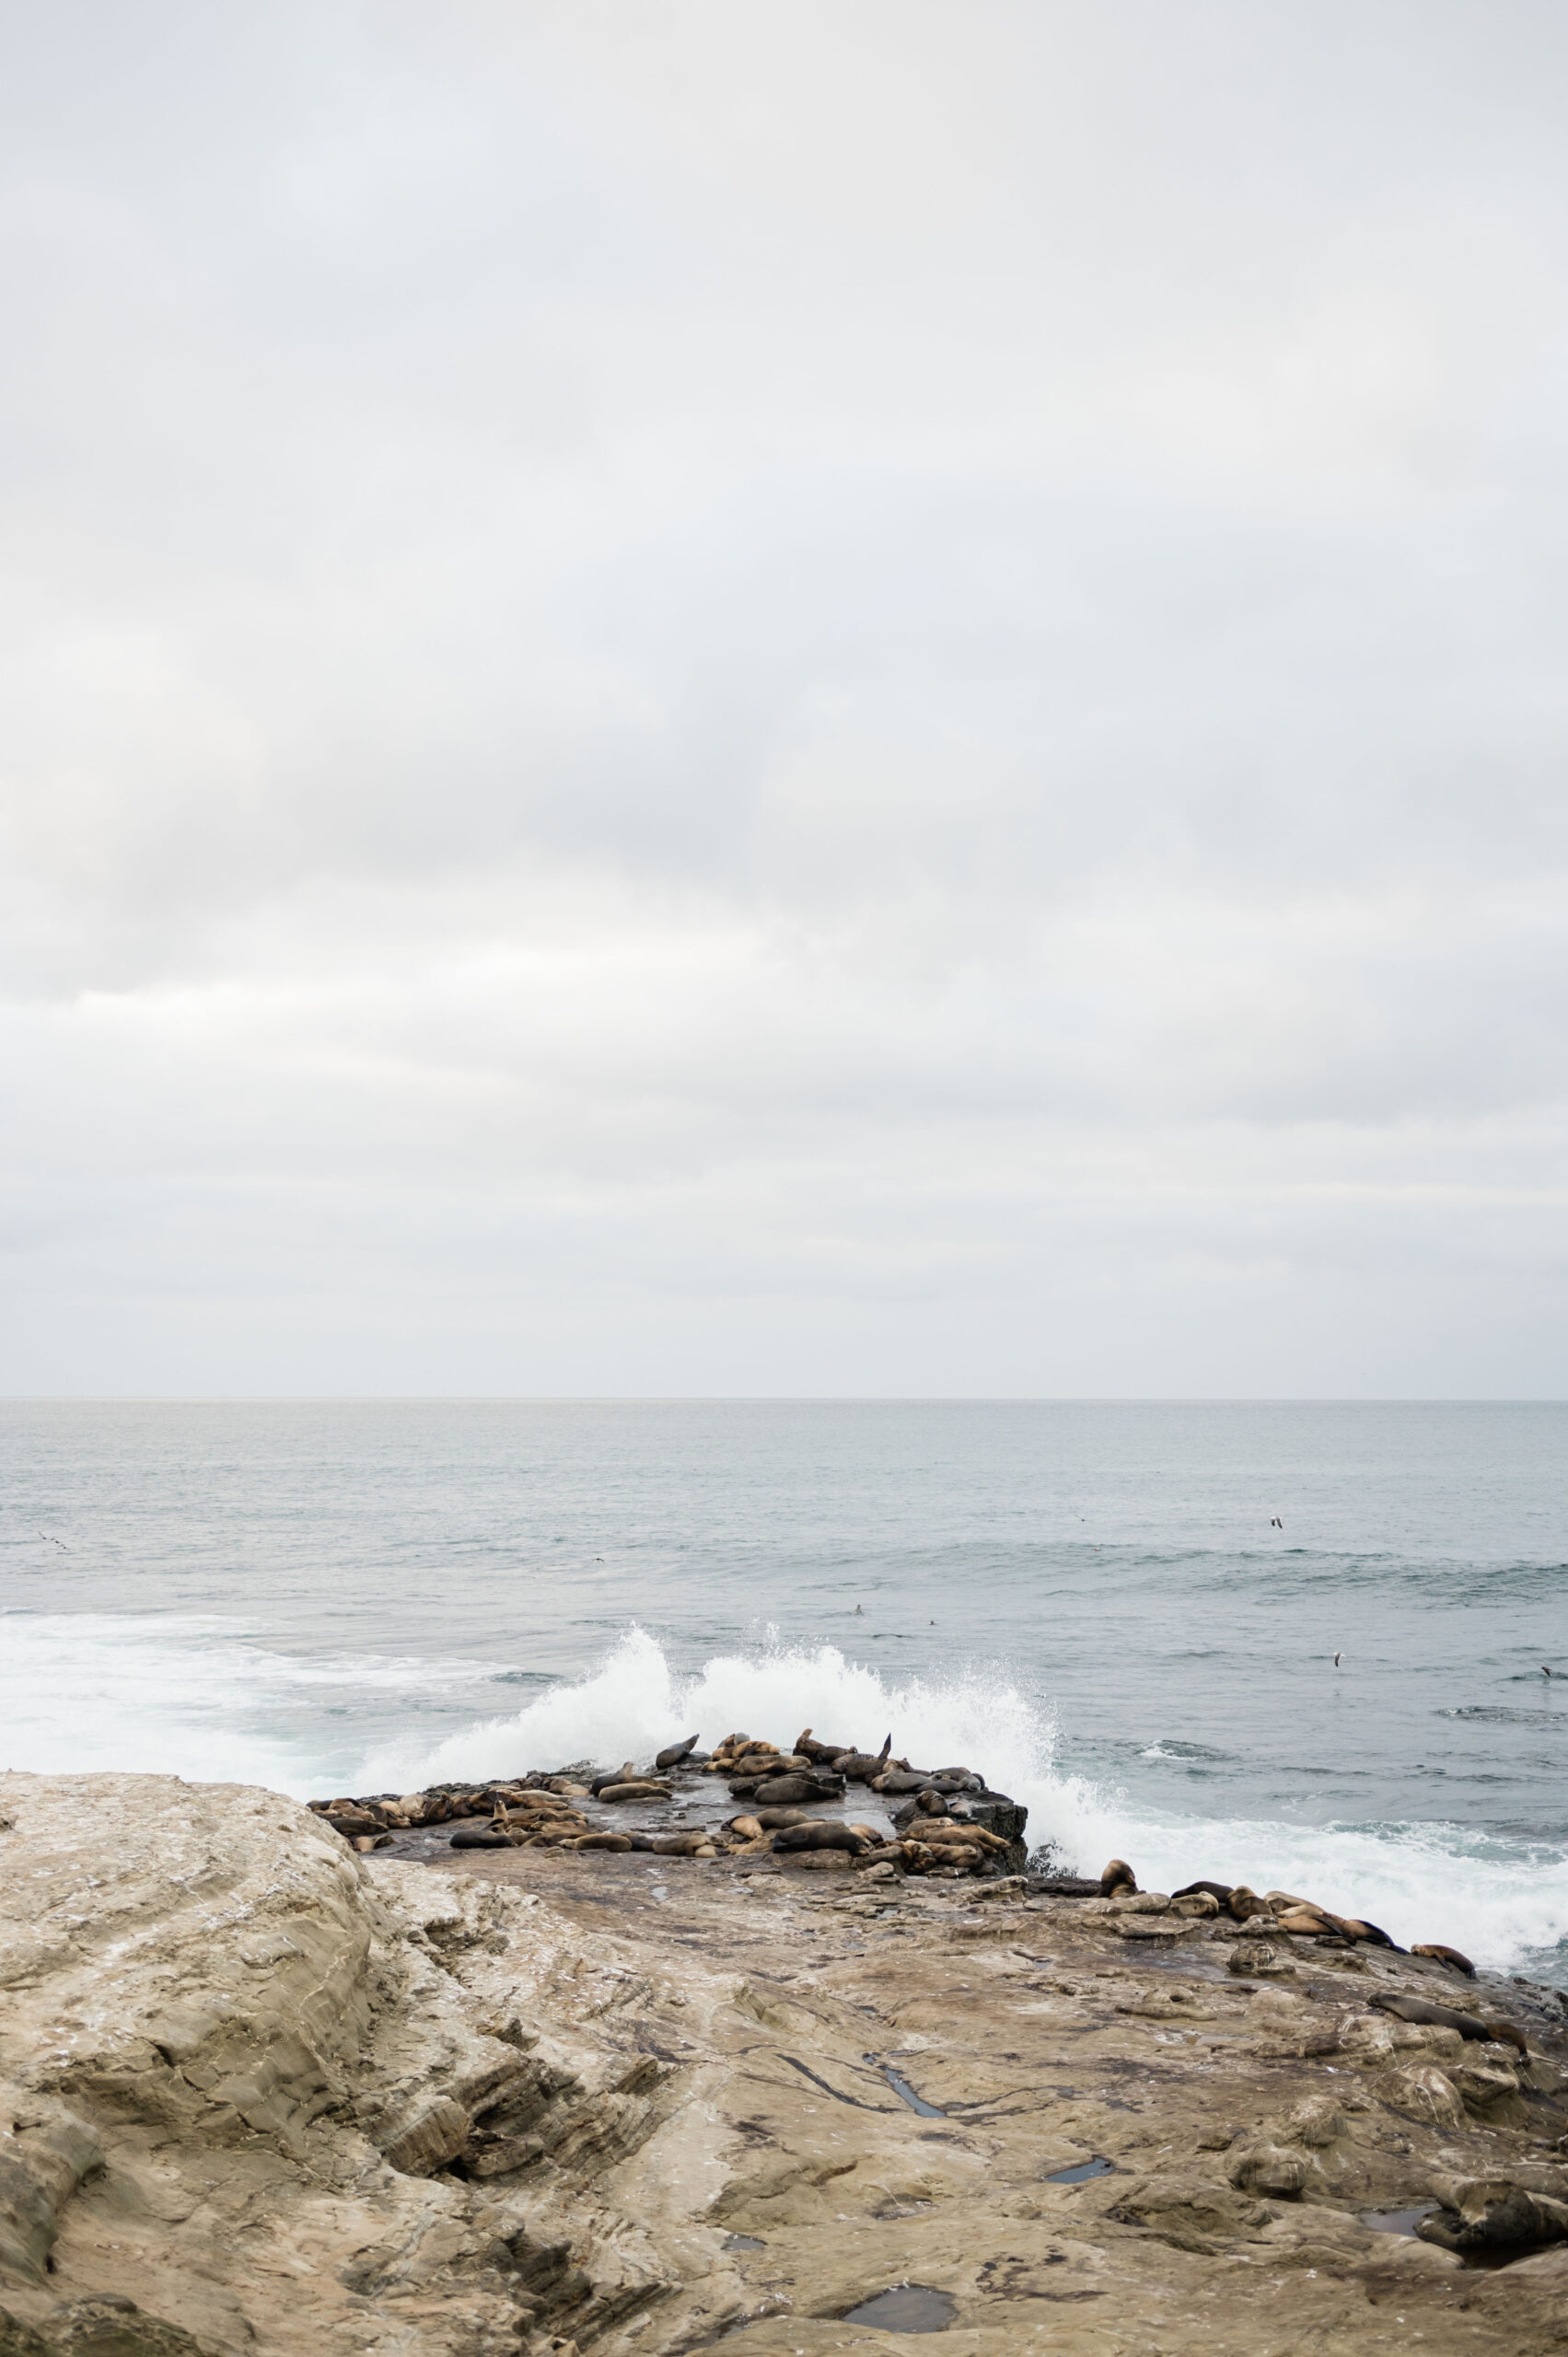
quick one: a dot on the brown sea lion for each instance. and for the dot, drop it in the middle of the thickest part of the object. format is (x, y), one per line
(645, 1788)
(1118, 1876)
(1441, 1954)
(599, 1842)
(745, 1829)
(674, 1753)
(899, 1780)
(1244, 1904)
(772, 1819)
(625, 1774)
(1220, 1890)
(861, 1766)
(820, 1836)
(819, 1754)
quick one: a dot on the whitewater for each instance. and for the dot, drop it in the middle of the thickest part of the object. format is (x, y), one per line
(1091, 1604)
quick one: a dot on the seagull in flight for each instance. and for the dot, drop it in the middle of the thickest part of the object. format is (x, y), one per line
(1336, 1661)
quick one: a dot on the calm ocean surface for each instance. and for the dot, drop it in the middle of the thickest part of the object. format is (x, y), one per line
(1089, 1601)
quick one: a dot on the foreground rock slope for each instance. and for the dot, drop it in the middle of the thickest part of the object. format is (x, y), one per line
(260, 2091)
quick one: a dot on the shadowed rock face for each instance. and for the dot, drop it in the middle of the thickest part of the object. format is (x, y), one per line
(260, 2094)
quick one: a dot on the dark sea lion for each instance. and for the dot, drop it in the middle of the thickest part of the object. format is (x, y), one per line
(899, 1780)
(483, 1838)
(1441, 1954)
(1354, 1929)
(625, 1774)
(1471, 2026)
(674, 1753)
(821, 1836)
(1118, 1876)
(788, 1791)
(1220, 1890)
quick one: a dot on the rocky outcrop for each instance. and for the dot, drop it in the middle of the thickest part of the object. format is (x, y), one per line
(261, 2092)
(272, 2100)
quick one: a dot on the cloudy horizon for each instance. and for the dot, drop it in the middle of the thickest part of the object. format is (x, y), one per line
(711, 699)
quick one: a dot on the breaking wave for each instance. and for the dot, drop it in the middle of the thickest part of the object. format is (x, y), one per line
(1505, 1903)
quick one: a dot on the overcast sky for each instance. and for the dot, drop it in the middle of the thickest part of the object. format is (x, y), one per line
(773, 696)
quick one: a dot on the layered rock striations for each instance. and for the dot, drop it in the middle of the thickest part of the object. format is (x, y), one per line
(260, 2091)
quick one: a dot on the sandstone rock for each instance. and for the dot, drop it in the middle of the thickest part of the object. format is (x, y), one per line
(1492, 2214)
(1428, 2093)
(1272, 2170)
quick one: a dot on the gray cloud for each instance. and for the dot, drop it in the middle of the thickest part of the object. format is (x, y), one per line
(806, 700)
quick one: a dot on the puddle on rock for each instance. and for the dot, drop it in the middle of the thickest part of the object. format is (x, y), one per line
(908, 2307)
(906, 2094)
(743, 2242)
(1397, 2222)
(1081, 2172)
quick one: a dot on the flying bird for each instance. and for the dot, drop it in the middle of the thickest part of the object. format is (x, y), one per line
(1336, 1661)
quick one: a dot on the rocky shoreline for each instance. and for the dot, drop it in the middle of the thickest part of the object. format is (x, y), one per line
(267, 2086)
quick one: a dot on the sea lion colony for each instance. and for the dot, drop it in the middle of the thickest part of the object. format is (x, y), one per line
(937, 1816)
(945, 1822)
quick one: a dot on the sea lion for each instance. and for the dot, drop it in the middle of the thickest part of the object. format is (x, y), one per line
(819, 1754)
(899, 1780)
(1219, 1890)
(1118, 1876)
(598, 1842)
(674, 1753)
(1244, 1904)
(861, 1766)
(1441, 1954)
(820, 1836)
(786, 1792)
(1471, 2026)
(772, 1819)
(644, 1788)
(625, 1774)
(745, 1829)
(1354, 1929)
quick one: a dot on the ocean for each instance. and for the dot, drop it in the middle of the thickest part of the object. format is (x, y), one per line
(1126, 1614)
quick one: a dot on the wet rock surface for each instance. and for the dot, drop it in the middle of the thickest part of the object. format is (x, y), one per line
(270, 2093)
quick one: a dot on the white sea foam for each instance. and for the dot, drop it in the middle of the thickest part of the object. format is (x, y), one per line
(1501, 1903)
(183, 1694)
(186, 1695)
